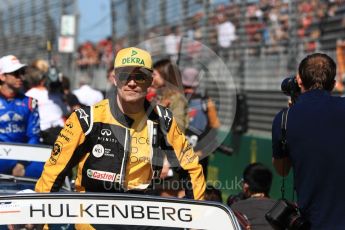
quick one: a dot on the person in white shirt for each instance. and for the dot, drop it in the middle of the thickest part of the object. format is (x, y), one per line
(50, 113)
(86, 94)
(172, 43)
(226, 32)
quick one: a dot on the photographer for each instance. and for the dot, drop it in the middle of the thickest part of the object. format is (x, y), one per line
(315, 134)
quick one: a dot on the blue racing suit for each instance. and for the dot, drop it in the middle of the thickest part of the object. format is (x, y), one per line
(19, 122)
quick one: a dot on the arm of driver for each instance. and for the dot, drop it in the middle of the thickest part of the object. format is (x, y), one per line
(63, 157)
(188, 160)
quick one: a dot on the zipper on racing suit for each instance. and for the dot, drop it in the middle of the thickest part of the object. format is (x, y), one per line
(125, 159)
(154, 150)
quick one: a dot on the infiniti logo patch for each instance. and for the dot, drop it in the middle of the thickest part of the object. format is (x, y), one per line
(105, 132)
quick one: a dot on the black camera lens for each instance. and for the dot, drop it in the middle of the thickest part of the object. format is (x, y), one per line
(290, 87)
(285, 215)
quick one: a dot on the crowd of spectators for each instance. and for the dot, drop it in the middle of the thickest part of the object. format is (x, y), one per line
(90, 54)
(268, 23)
(265, 24)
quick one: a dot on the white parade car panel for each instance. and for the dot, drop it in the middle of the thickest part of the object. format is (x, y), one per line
(24, 152)
(102, 210)
(113, 209)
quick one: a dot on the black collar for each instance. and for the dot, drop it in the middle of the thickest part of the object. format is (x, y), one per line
(312, 95)
(123, 118)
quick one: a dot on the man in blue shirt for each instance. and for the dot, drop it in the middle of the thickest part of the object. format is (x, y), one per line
(315, 144)
(19, 119)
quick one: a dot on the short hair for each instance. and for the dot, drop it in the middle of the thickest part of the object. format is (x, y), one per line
(41, 65)
(213, 194)
(258, 177)
(173, 29)
(34, 76)
(317, 71)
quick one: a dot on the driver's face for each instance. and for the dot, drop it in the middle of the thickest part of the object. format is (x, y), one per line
(132, 83)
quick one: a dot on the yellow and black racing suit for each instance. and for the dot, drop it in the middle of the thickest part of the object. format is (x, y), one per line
(98, 139)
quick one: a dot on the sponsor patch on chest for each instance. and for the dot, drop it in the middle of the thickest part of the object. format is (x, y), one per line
(103, 175)
(98, 150)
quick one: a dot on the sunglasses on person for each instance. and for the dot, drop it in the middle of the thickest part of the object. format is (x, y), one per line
(18, 73)
(139, 78)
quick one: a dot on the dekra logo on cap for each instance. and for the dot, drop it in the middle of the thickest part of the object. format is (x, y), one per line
(133, 60)
(133, 53)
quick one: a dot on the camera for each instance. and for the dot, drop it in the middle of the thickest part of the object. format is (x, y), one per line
(290, 87)
(286, 215)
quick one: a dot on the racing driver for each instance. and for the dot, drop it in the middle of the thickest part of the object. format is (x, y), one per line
(119, 144)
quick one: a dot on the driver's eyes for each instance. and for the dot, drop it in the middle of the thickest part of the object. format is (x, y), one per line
(139, 78)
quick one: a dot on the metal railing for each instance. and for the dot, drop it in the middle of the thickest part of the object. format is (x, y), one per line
(27, 25)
